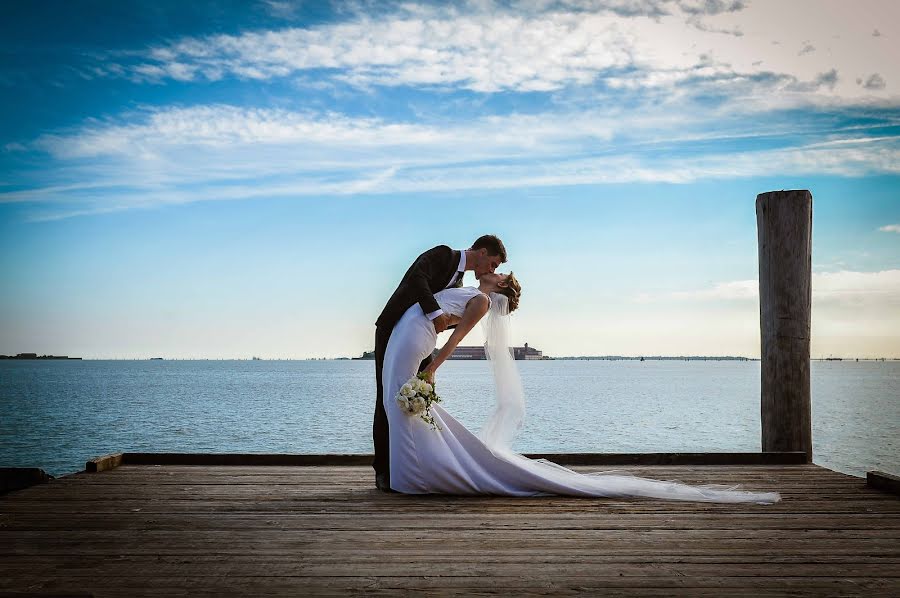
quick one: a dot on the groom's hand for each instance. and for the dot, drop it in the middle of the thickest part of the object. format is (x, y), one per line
(441, 322)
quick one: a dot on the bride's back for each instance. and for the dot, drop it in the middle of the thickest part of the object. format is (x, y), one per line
(453, 300)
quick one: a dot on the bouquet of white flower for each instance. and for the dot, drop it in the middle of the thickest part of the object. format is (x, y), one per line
(415, 398)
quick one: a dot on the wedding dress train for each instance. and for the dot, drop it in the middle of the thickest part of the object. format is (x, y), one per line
(453, 460)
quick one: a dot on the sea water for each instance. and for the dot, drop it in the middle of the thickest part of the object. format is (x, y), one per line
(58, 414)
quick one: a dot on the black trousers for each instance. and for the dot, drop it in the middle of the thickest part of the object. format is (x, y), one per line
(380, 433)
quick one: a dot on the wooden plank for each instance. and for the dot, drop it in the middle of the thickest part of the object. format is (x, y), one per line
(483, 532)
(24, 562)
(356, 490)
(751, 474)
(328, 486)
(226, 509)
(103, 463)
(799, 471)
(313, 484)
(364, 479)
(796, 469)
(357, 498)
(327, 482)
(19, 478)
(261, 459)
(316, 480)
(212, 494)
(883, 481)
(236, 473)
(782, 522)
(394, 564)
(541, 583)
(689, 524)
(771, 458)
(246, 459)
(33, 594)
(308, 550)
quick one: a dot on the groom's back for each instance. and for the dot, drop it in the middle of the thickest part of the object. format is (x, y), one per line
(428, 274)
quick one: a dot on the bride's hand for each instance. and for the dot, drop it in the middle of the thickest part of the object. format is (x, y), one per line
(429, 374)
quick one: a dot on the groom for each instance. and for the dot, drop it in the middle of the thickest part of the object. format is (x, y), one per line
(438, 268)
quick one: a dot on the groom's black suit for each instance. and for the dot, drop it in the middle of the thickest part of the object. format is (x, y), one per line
(430, 273)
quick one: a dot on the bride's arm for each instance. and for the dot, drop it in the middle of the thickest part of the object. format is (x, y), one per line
(475, 310)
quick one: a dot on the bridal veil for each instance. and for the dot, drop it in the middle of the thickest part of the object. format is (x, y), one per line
(508, 418)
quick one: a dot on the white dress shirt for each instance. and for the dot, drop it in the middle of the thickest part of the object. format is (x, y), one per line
(460, 272)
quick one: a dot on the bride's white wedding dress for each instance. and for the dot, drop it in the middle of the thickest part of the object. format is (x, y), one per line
(453, 460)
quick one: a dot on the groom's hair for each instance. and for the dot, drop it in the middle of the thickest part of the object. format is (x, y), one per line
(493, 244)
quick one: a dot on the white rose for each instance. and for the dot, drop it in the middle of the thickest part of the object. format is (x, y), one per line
(421, 386)
(427, 388)
(418, 405)
(407, 390)
(403, 402)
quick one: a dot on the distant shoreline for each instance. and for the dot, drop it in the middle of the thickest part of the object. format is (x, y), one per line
(36, 356)
(655, 358)
(545, 358)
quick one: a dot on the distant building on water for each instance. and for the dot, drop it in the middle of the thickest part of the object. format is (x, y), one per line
(468, 353)
(527, 353)
(477, 353)
(36, 356)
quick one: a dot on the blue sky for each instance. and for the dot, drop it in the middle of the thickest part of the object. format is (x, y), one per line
(252, 178)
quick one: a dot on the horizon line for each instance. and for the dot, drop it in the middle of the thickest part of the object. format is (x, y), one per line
(49, 357)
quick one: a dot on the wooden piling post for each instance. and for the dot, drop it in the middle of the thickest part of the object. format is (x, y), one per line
(784, 224)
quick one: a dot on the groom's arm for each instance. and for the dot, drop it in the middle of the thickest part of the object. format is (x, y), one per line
(424, 269)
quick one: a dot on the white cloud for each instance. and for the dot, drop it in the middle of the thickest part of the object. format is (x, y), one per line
(858, 290)
(853, 313)
(768, 46)
(856, 313)
(734, 290)
(844, 288)
(283, 9)
(230, 128)
(875, 81)
(222, 126)
(890, 228)
(218, 152)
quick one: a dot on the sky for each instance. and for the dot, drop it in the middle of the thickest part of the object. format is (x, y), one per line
(237, 179)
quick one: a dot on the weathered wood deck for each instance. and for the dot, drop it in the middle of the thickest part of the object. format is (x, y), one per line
(173, 530)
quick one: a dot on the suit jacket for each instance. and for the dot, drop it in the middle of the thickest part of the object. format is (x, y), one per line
(429, 274)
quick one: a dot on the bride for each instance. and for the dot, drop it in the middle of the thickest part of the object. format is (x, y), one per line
(453, 460)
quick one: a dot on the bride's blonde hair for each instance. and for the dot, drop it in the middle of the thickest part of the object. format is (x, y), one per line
(513, 291)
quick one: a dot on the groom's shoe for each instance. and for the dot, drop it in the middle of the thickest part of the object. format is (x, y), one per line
(383, 483)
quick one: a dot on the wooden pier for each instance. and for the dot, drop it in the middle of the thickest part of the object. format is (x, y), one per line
(309, 525)
(138, 524)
